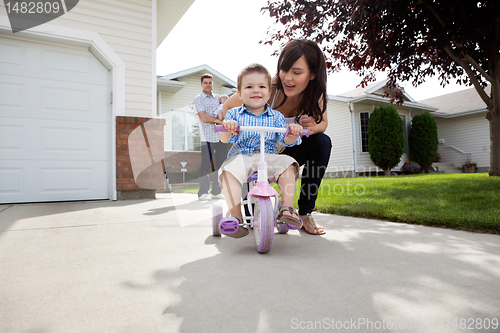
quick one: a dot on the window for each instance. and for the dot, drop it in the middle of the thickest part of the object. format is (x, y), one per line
(185, 129)
(363, 124)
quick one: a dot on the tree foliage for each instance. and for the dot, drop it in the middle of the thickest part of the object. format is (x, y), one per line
(409, 39)
(423, 140)
(386, 138)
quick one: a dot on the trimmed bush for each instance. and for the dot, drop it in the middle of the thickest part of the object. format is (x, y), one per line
(386, 138)
(424, 140)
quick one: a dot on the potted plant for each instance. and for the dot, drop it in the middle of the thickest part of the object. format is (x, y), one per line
(410, 168)
(469, 166)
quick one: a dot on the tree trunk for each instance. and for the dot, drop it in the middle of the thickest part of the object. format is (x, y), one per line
(495, 142)
(387, 172)
(493, 115)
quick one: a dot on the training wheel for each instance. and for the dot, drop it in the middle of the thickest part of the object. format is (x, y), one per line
(216, 217)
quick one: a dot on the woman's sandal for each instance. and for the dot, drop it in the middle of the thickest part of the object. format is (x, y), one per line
(313, 224)
(230, 226)
(293, 222)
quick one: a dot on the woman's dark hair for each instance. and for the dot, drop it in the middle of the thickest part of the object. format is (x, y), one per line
(316, 89)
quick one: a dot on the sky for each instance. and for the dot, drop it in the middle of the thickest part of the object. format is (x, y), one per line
(225, 35)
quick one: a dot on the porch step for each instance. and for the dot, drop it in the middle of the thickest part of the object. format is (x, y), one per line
(446, 168)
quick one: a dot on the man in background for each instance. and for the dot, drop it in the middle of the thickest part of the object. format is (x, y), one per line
(213, 152)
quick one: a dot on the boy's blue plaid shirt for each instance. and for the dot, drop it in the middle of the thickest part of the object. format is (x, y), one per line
(249, 142)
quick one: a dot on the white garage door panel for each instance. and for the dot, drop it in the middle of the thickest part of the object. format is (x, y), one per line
(45, 182)
(11, 180)
(46, 99)
(34, 139)
(11, 138)
(32, 60)
(54, 124)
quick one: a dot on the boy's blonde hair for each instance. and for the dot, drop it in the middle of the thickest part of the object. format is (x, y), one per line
(254, 68)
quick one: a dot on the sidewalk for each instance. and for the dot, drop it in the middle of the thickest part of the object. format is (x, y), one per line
(153, 266)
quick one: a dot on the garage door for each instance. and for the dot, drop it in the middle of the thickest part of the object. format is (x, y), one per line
(54, 123)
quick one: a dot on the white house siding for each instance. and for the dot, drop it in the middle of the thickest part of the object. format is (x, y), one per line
(339, 131)
(364, 163)
(182, 98)
(476, 141)
(126, 26)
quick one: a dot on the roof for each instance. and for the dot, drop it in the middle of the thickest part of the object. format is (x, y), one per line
(169, 12)
(376, 89)
(458, 103)
(202, 69)
(375, 93)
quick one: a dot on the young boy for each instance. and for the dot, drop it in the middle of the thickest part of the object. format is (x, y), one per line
(254, 89)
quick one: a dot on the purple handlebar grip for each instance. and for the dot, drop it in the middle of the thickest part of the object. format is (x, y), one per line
(220, 128)
(305, 132)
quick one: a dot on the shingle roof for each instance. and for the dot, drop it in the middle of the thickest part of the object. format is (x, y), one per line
(460, 101)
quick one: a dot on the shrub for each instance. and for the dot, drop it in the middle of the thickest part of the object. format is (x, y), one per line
(423, 140)
(410, 168)
(386, 139)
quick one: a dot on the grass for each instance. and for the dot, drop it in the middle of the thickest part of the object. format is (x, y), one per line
(468, 202)
(458, 201)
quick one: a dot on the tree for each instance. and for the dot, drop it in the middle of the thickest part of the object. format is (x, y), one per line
(423, 140)
(386, 138)
(410, 39)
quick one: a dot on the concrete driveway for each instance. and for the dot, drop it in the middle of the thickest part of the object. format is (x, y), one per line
(153, 266)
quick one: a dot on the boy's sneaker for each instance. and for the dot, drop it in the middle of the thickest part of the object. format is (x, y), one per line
(218, 196)
(204, 197)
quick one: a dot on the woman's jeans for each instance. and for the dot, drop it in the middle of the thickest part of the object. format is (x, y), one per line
(313, 153)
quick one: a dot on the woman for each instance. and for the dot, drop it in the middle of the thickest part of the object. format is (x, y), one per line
(299, 93)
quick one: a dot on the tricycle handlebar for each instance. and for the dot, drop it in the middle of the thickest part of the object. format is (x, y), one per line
(286, 130)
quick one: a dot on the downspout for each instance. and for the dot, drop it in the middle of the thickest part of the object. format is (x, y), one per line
(154, 80)
(353, 141)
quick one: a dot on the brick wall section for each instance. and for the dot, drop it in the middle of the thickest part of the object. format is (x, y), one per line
(139, 148)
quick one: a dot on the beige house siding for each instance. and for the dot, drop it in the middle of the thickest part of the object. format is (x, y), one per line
(126, 26)
(182, 98)
(364, 163)
(339, 131)
(476, 142)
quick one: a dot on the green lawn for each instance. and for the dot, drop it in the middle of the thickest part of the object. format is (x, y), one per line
(458, 201)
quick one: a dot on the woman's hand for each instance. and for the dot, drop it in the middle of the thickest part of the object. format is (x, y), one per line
(309, 122)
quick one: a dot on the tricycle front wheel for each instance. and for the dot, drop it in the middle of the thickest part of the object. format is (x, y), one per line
(263, 224)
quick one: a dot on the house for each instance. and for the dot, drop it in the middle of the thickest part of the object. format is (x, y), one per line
(463, 129)
(348, 115)
(70, 89)
(176, 93)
